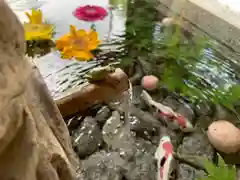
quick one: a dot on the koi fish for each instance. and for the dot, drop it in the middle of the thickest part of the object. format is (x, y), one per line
(164, 156)
(168, 112)
(180, 120)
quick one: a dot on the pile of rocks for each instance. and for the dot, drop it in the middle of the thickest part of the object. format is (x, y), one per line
(108, 149)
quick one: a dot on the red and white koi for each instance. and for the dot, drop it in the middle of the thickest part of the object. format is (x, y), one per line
(164, 156)
(168, 112)
(180, 120)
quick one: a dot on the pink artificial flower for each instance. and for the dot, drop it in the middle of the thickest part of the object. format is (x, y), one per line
(90, 13)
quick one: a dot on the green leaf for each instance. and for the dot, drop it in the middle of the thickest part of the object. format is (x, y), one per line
(220, 172)
(126, 61)
(209, 166)
(221, 162)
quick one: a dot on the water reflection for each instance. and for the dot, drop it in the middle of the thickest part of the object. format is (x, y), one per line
(53, 68)
(141, 28)
(60, 14)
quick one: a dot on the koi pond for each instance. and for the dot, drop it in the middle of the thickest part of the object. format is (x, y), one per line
(179, 119)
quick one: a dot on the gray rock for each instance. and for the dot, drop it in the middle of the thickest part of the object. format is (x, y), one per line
(221, 113)
(186, 111)
(145, 146)
(142, 168)
(176, 137)
(203, 109)
(88, 138)
(196, 144)
(102, 115)
(137, 90)
(171, 102)
(111, 128)
(124, 142)
(142, 127)
(118, 136)
(204, 121)
(187, 172)
(102, 166)
(145, 119)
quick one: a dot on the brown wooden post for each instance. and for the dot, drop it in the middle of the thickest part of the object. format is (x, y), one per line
(34, 140)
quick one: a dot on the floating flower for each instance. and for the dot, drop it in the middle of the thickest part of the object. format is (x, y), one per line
(35, 17)
(36, 29)
(90, 13)
(78, 44)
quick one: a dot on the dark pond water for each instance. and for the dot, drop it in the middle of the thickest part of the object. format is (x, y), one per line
(61, 75)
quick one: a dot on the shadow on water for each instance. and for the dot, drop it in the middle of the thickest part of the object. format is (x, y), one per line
(134, 24)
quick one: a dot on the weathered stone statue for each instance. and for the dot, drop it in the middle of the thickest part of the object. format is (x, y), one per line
(34, 140)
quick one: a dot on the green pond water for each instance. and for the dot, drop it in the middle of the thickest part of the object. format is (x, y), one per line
(134, 18)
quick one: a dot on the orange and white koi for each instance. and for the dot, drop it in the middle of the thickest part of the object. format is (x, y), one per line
(164, 156)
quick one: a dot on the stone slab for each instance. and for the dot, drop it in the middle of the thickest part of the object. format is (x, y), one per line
(78, 100)
(72, 93)
(211, 17)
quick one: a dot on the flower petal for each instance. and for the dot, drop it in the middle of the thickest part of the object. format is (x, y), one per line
(93, 35)
(90, 13)
(93, 45)
(93, 40)
(64, 41)
(37, 31)
(67, 53)
(73, 30)
(81, 33)
(82, 55)
(38, 17)
(29, 17)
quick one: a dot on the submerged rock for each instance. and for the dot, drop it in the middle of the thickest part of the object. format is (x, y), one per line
(102, 115)
(222, 113)
(143, 128)
(102, 166)
(203, 109)
(118, 136)
(187, 111)
(143, 167)
(187, 172)
(171, 102)
(111, 128)
(88, 138)
(137, 90)
(196, 144)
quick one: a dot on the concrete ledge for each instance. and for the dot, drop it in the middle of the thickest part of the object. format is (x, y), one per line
(209, 16)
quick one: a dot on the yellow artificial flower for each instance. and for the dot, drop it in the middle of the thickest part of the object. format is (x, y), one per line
(78, 44)
(35, 17)
(38, 31)
(35, 29)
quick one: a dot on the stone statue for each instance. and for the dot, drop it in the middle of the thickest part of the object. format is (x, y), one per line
(34, 140)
